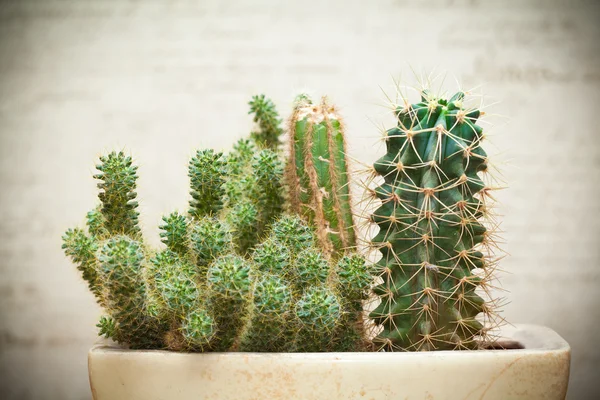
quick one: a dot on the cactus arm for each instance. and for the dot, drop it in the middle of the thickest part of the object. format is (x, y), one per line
(353, 287)
(117, 185)
(229, 287)
(82, 250)
(174, 231)
(269, 329)
(120, 259)
(209, 238)
(268, 171)
(95, 223)
(267, 117)
(198, 330)
(243, 219)
(317, 312)
(340, 177)
(207, 173)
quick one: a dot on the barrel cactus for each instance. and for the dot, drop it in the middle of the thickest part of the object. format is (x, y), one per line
(432, 236)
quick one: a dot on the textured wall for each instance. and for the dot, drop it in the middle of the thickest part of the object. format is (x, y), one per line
(163, 78)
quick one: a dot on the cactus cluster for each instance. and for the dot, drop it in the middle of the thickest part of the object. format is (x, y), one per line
(265, 257)
(434, 267)
(235, 273)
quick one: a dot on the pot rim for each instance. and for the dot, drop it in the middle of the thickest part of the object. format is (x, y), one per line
(533, 339)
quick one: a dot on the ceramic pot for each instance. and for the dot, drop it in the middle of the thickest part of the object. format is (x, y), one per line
(539, 370)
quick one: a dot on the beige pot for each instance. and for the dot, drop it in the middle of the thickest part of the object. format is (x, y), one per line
(539, 371)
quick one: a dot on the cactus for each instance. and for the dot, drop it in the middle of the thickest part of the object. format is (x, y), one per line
(318, 312)
(120, 262)
(298, 305)
(270, 327)
(117, 193)
(234, 273)
(207, 173)
(82, 250)
(174, 232)
(268, 121)
(353, 285)
(209, 238)
(430, 218)
(198, 330)
(317, 174)
(229, 285)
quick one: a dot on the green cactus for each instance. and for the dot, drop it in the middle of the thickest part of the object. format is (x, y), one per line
(268, 121)
(270, 327)
(318, 313)
(209, 238)
(432, 204)
(82, 250)
(229, 287)
(273, 257)
(312, 269)
(198, 330)
(120, 262)
(96, 223)
(207, 173)
(268, 175)
(243, 220)
(174, 233)
(293, 233)
(117, 194)
(353, 286)
(317, 174)
(253, 193)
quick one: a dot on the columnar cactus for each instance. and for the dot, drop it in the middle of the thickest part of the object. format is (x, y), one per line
(431, 233)
(317, 174)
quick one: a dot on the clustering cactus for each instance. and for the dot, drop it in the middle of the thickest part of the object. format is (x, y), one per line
(431, 232)
(235, 274)
(317, 174)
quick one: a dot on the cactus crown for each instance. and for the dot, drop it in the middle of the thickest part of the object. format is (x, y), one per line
(432, 235)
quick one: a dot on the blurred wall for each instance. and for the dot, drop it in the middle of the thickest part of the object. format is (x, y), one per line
(161, 78)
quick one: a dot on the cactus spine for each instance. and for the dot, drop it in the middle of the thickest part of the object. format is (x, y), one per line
(317, 174)
(431, 235)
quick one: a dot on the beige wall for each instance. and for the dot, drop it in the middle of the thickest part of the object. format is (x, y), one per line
(162, 78)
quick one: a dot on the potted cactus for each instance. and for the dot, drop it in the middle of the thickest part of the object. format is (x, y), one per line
(260, 291)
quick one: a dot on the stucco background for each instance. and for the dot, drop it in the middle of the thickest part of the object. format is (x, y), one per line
(162, 78)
